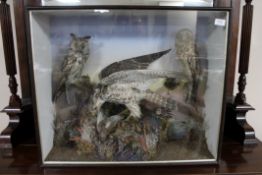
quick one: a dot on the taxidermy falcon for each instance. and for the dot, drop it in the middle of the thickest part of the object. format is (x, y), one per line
(72, 65)
(128, 82)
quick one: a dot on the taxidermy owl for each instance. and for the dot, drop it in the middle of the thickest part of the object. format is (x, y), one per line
(194, 66)
(72, 66)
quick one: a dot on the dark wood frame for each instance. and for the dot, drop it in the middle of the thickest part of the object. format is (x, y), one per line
(20, 128)
(234, 110)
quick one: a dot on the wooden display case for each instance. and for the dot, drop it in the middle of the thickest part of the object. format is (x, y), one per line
(22, 110)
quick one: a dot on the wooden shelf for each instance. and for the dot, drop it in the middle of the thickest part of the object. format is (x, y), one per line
(235, 160)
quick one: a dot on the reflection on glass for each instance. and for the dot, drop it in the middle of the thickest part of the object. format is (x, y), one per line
(205, 3)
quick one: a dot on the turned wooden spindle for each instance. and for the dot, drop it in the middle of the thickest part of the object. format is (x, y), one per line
(244, 51)
(15, 105)
(8, 44)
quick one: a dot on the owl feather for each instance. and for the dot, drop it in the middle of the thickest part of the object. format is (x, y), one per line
(72, 66)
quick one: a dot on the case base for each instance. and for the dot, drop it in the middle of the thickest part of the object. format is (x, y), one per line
(237, 127)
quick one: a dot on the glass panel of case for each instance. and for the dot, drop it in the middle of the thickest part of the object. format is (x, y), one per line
(119, 86)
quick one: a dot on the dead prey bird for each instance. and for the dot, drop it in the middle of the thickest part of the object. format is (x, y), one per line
(72, 66)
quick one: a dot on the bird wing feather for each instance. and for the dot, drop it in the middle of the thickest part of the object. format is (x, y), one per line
(136, 63)
(68, 63)
(131, 76)
(65, 68)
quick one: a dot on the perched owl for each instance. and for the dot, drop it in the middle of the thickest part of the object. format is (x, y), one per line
(193, 65)
(186, 51)
(72, 65)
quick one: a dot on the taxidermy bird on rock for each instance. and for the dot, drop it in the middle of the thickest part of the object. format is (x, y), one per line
(72, 66)
(195, 67)
(127, 83)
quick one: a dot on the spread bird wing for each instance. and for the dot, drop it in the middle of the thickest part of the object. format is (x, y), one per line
(141, 62)
(140, 76)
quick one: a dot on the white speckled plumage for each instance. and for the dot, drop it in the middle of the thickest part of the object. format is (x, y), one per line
(130, 95)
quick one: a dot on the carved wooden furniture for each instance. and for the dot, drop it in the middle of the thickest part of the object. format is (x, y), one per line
(236, 126)
(241, 105)
(21, 126)
(15, 105)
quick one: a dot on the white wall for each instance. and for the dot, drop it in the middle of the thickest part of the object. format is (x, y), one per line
(253, 88)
